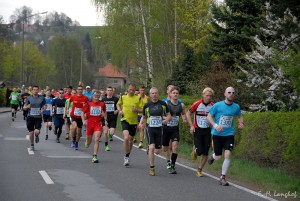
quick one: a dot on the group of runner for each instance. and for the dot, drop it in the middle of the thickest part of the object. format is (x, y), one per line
(98, 110)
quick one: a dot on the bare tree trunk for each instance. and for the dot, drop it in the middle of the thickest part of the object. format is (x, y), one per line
(149, 63)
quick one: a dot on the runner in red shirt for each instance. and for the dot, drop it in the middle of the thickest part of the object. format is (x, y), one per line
(79, 101)
(94, 111)
(68, 94)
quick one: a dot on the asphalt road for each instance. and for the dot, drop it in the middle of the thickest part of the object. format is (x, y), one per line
(56, 172)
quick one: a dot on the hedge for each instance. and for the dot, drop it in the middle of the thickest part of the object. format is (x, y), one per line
(271, 139)
(2, 97)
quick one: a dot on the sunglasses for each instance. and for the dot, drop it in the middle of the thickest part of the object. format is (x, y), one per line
(230, 92)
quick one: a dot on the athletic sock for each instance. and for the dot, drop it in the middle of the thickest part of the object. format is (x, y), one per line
(127, 155)
(174, 158)
(12, 114)
(152, 166)
(106, 143)
(225, 166)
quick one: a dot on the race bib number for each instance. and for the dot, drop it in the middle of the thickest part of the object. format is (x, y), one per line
(110, 107)
(13, 97)
(202, 121)
(34, 111)
(77, 111)
(155, 121)
(59, 110)
(95, 111)
(48, 107)
(225, 121)
(173, 122)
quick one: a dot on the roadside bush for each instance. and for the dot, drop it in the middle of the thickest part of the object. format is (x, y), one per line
(271, 139)
(2, 97)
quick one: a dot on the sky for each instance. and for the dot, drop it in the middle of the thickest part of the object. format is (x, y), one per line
(80, 10)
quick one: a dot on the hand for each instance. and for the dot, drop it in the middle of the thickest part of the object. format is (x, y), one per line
(184, 121)
(165, 122)
(106, 124)
(241, 125)
(116, 112)
(141, 126)
(121, 113)
(84, 122)
(219, 128)
(134, 109)
(51, 114)
(192, 130)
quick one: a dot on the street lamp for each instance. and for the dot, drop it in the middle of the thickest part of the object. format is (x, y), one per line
(22, 55)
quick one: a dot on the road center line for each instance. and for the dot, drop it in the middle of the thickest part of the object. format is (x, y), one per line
(211, 176)
(46, 177)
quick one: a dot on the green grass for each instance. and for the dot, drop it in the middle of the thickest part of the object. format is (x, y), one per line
(245, 171)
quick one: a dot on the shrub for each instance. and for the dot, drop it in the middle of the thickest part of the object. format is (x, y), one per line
(271, 139)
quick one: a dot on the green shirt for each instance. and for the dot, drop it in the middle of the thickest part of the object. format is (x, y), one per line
(71, 105)
(14, 98)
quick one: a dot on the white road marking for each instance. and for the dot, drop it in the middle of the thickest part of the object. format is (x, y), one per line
(46, 177)
(30, 152)
(211, 176)
(14, 138)
(69, 156)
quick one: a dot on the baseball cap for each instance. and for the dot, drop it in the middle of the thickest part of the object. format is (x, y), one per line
(87, 87)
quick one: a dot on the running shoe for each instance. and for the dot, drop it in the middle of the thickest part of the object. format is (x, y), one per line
(223, 181)
(73, 144)
(67, 136)
(141, 145)
(199, 173)
(169, 166)
(76, 146)
(194, 154)
(13, 119)
(57, 140)
(134, 140)
(94, 159)
(126, 161)
(152, 172)
(107, 148)
(50, 128)
(46, 137)
(86, 145)
(210, 160)
(172, 170)
(37, 139)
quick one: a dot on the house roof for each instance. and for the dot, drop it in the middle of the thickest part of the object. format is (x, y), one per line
(110, 71)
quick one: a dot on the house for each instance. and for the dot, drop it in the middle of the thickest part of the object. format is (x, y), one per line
(109, 75)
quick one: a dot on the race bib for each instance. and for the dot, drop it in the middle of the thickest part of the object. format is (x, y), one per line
(110, 107)
(34, 111)
(155, 121)
(95, 111)
(13, 97)
(225, 121)
(59, 110)
(173, 122)
(48, 107)
(202, 121)
(77, 111)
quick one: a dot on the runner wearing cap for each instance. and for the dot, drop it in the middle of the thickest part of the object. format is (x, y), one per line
(88, 93)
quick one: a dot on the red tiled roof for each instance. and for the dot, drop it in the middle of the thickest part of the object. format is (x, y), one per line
(111, 71)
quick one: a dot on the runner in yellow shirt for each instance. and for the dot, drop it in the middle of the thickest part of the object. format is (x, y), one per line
(129, 106)
(145, 99)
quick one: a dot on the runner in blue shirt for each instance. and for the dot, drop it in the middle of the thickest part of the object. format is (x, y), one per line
(46, 114)
(88, 93)
(221, 117)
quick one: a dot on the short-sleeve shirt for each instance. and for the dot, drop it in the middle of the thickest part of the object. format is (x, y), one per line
(71, 105)
(93, 111)
(200, 110)
(78, 102)
(128, 102)
(49, 102)
(59, 106)
(111, 104)
(223, 116)
(154, 111)
(14, 98)
(36, 103)
(145, 100)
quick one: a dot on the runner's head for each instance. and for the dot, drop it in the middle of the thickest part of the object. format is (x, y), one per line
(35, 90)
(79, 90)
(169, 87)
(229, 94)
(131, 89)
(96, 96)
(154, 94)
(142, 90)
(174, 91)
(207, 94)
(73, 91)
(48, 94)
(109, 91)
(102, 93)
(88, 88)
(61, 93)
(14, 89)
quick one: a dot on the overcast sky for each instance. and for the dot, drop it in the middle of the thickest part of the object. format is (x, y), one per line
(80, 10)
